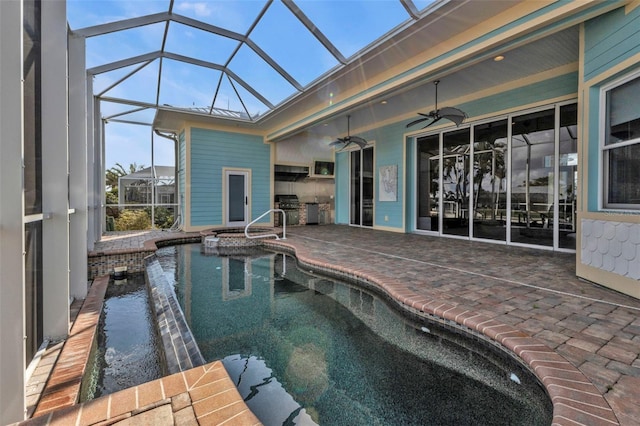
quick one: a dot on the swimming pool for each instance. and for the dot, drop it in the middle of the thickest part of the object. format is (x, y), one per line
(303, 349)
(125, 351)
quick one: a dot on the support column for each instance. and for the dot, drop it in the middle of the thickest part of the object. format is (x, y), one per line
(100, 169)
(90, 135)
(78, 193)
(94, 166)
(12, 281)
(55, 175)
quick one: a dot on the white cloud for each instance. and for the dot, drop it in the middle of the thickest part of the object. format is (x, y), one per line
(199, 8)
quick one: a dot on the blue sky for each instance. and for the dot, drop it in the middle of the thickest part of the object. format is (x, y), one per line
(349, 24)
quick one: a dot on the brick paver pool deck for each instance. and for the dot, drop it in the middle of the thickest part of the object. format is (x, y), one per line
(582, 340)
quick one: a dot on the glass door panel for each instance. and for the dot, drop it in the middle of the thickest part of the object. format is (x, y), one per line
(367, 186)
(532, 178)
(356, 198)
(361, 187)
(428, 183)
(455, 182)
(490, 181)
(567, 177)
(237, 198)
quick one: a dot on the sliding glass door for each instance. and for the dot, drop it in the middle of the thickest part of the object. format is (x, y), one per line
(455, 182)
(428, 183)
(361, 187)
(532, 183)
(567, 177)
(490, 181)
(511, 180)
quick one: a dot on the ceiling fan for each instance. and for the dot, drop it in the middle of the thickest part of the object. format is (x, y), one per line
(348, 140)
(450, 113)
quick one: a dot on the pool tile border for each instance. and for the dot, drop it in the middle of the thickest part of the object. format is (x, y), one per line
(567, 387)
(181, 352)
(101, 262)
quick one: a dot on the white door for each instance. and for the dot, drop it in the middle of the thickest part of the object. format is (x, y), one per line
(237, 189)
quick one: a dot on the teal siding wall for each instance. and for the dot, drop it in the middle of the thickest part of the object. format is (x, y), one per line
(182, 177)
(609, 39)
(388, 152)
(211, 151)
(390, 141)
(593, 149)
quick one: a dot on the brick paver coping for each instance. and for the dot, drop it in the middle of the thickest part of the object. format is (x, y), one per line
(204, 395)
(63, 387)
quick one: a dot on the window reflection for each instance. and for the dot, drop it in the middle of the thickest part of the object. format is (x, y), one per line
(428, 182)
(531, 200)
(568, 177)
(624, 173)
(236, 278)
(455, 182)
(532, 180)
(622, 146)
(32, 109)
(490, 181)
(362, 187)
(356, 199)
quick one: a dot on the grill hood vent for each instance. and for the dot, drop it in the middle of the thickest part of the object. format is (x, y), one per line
(290, 173)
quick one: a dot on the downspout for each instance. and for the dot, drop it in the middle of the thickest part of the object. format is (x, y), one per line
(177, 223)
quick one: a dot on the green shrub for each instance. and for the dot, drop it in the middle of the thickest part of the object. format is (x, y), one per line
(133, 220)
(163, 217)
(111, 197)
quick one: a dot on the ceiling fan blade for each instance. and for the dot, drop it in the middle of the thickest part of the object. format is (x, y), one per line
(337, 142)
(348, 142)
(434, 121)
(453, 114)
(361, 142)
(419, 120)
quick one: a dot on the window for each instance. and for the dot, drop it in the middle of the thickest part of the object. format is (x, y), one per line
(512, 179)
(621, 144)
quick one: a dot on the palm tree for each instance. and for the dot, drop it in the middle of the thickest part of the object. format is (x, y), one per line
(489, 161)
(117, 171)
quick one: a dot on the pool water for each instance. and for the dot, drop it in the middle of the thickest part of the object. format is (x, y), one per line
(125, 352)
(303, 349)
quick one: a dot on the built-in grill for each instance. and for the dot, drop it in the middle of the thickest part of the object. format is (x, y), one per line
(291, 206)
